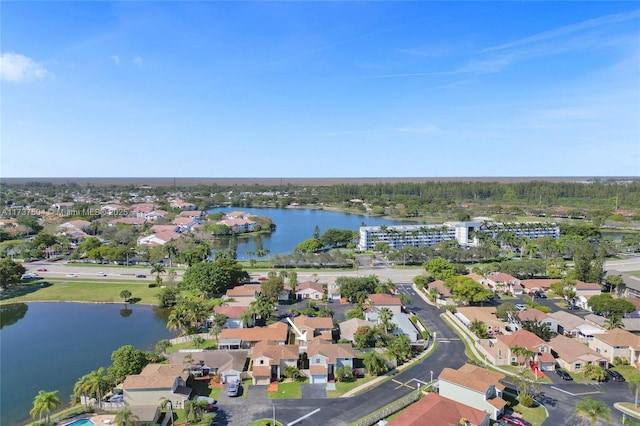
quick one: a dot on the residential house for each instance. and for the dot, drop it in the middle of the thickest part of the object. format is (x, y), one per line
(133, 221)
(75, 225)
(243, 295)
(239, 226)
(159, 238)
(312, 327)
(630, 286)
(504, 283)
(334, 291)
(62, 208)
(234, 315)
(440, 411)
(467, 314)
(246, 338)
(143, 392)
(475, 387)
(348, 328)
(540, 317)
(182, 205)
(324, 358)
(142, 209)
(404, 326)
(445, 297)
(112, 209)
(155, 215)
(572, 355)
(186, 223)
(617, 342)
(269, 360)
(573, 325)
(309, 290)
(229, 365)
(499, 350)
(584, 291)
(380, 300)
(237, 214)
(192, 213)
(537, 284)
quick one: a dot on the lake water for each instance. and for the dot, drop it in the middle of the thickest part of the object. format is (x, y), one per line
(49, 346)
(296, 225)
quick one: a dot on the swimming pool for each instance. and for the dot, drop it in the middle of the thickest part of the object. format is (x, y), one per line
(83, 422)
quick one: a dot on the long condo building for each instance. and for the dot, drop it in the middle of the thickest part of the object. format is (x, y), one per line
(465, 233)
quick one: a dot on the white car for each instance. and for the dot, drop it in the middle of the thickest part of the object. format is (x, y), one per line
(101, 274)
(521, 307)
(72, 275)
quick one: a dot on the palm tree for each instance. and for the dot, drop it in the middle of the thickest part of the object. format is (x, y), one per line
(522, 352)
(125, 294)
(197, 341)
(163, 405)
(163, 345)
(385, 315)
(158, 269)
(44, 403)
(614, 321)
(171, 251)
(125, 417)
(590, 410)
(374, 363)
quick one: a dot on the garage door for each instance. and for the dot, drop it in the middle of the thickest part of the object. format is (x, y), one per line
(318, 379)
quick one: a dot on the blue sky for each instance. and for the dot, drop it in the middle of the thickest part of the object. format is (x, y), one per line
(320, 89)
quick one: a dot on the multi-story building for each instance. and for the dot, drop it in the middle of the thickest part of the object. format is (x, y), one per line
(465, 233)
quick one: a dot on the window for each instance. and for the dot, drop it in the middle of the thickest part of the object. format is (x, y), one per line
(578, 366)
(261, 361)
(317, 361)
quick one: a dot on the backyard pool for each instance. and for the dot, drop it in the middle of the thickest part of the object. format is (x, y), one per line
(83, 422)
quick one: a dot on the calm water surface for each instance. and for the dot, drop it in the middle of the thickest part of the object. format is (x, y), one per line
(48, 346)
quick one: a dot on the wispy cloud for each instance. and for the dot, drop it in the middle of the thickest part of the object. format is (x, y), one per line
(138, 60)
(18, 68)
(568, 29)
(428, 51)
(115, 59)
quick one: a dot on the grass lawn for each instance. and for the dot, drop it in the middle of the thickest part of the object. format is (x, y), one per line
(208, 344)
(60, 290)
(289, 390)
(265, 422)
(182, 418)
(634, 273)
(630, 406)
(215, 392)
(527, 374)
(344, 387)
(628, 372)
(534, 415)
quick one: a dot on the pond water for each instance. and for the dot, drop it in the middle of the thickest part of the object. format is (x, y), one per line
(295, 226)
(49, 346)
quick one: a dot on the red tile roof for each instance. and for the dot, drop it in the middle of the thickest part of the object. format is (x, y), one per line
(439, 411)
(522, 338)
(384, 299)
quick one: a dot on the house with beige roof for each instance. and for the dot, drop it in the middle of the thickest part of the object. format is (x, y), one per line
(142, 209)
(133, 221)
(499, 350)
(324, 358)
(440, 411)
(539, 317)
(617, 342)
(313, 327)
(229, 365)
(269, 360)
(542, 284)
(505, 283)
(475, 387)
(142, 392)
(309, 290)
(348, 328)
(573, 325)
(445, 297)
(573, 355)
(246, 338)
(182, 205)
(234, 315)
(192, 213)
(239, 226)
(243, 295)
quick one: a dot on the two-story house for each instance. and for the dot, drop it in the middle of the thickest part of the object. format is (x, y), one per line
(440, 411)
(246, 338)
(573, 355)
(475, 387)
(243, 295)
(381, 300)
(309, 290)
(504, 283)
(269, 360)
(501, 349)
(324, 358)
(143, 392)
(617, 342)
(312, 327)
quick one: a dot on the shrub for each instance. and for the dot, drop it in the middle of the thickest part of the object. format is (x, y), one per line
(152, 285)
(451, 309)
(618, 361)
(425, 335)
(526, 399)
(543, 308)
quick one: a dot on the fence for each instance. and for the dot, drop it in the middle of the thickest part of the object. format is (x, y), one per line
(386, 412)
(189, 338)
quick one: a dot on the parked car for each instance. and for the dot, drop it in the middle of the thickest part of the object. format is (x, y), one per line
(234, 389)
(72, 275)
(521, 307)
(42, 269)
(565, 376)
(141, 276)
(517, 421)
(101, 274)
(542, 295)
(614, 375)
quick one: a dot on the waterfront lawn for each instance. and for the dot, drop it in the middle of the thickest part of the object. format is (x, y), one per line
(61, 290)
(208, 344)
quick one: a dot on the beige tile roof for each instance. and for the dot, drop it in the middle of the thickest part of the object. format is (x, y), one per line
(580, 285)
(619, 337)
(442, 289)
(315, 323)
(540, 284)
(571, 350)
(155, 376)
(330, 350)
(379, 299)
(275, 352)
(532, 315)
(501, 277)
(310, 285)
(471, 376)
(244, 290)
(233, 312)
(276, 332)
(522, 338)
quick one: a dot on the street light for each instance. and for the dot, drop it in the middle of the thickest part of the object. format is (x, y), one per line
(274, 414)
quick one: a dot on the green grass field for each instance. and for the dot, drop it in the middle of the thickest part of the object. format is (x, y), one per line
(61, 290)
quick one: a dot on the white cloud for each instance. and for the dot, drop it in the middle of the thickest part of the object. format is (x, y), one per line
(116, 59)
(21, 69)
(138, 60)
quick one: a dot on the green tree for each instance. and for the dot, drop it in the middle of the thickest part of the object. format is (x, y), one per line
(374, 363)
(10, 273)
(522, 353)
(163, 406)
(93, 384)
(158, 269)
(272, 288)
(594, 372)
(197, 342)
(126, 295)
(540, 329)
(608, 306)
(400, 348)
(125, 417)
(363, 337)
(467, 290)
(168, 296)
(44, 403)
(311, 245)
(163, 345)
(291, 372)
(211, 278)
(504, 309)
(479, 328)
(440, 269)
(591, 410)
(385, 315)
(127, 360)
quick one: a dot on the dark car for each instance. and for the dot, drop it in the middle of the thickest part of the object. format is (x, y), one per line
(614, 375)
(141, 276)
(563, 374)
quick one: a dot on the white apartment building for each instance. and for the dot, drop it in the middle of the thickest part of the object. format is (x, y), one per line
(462, 232)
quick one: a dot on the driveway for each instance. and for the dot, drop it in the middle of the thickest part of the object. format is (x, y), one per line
(310, 391)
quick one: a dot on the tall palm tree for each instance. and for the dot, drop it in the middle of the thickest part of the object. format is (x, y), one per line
(158, 269)
(385, 315)
(44, 403)
(163, 345)
(614, 321)
(171, 251)
(590, 410)
(125, 417)
(522, 352)
(163, 406)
